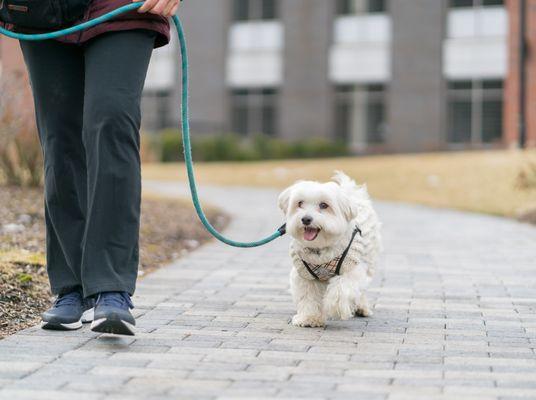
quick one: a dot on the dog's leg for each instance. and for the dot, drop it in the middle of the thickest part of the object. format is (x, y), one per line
(341, 297)
(307, 296)
(363, 307)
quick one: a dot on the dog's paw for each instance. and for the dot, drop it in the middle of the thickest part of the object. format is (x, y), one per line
(308, 321)
(363, 307)
(343, 309)
(363, 312)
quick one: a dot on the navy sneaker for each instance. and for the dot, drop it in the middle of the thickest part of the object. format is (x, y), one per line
(69, 311)
(112, 314)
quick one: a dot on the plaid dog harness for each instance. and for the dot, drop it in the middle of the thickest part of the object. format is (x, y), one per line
(326, 271)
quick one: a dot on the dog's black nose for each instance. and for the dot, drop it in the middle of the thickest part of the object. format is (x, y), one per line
(307, 220)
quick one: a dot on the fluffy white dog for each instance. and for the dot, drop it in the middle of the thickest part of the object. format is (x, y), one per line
(335, 244)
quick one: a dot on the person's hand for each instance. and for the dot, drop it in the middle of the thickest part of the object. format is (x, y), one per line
(165, 8)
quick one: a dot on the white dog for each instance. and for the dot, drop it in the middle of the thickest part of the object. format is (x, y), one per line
(336, 241)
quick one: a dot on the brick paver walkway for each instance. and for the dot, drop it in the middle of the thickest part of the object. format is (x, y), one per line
(455, 318)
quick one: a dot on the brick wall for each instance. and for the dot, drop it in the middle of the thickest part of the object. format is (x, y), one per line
(12, 67)
(10, 56)
(511, 95)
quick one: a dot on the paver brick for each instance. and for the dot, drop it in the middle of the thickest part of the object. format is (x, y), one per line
(451, 322)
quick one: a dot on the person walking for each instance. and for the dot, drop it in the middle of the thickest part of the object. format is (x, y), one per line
(87, 91)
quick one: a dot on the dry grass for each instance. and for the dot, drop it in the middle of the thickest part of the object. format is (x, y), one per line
(474, 181)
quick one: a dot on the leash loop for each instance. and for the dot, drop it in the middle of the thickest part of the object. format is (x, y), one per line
(185, 118)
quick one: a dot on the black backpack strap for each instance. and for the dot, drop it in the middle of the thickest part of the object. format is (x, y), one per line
(343, 256)
(311, 271)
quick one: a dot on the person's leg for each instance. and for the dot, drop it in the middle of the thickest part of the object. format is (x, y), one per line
(115, 69)
(57, 78)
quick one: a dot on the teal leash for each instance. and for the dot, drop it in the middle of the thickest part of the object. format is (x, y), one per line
(184, 112)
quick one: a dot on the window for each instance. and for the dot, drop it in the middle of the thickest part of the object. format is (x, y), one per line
(492, 111)
(375, 114)
(346, 7)
(241, 10)
(244, 10)
(343, 112)
(475, 3)
(254, 111)
(360, 114)
(156, 112)
(475, 111)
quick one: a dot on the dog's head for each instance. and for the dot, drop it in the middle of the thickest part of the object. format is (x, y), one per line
(317, 214)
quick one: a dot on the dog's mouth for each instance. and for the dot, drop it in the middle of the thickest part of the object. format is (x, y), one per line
(310, 233)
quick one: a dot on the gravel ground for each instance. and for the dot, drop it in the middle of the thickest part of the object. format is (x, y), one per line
(169, 230)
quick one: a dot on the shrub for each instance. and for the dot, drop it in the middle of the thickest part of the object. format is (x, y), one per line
(318, 147)
(20, 152)
(222, 148)
(169, 145)
(149, 149)
(526, 179)
(230, 147)
(267, 148)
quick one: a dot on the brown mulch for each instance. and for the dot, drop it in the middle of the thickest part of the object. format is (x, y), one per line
(169, 230)
(24, 294)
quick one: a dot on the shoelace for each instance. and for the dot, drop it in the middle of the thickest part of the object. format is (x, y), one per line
(115, 299)
(69, 299)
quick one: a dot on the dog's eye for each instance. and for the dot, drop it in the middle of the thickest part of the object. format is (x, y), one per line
(323, 206)
(300, 203)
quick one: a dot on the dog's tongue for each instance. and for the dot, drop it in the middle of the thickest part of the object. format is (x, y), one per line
(310, 234)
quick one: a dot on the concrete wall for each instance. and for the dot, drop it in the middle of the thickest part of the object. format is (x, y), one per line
(476, 43)
(361, 51)
(416, 101)
(206, 23)
(255, 58)
(306, 106)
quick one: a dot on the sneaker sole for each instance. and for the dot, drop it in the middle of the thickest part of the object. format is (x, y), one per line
(113, 326)
(87, 316)
(54, 326)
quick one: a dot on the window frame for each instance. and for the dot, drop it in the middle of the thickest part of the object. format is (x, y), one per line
(348, 7)
(478, 97)
(257, 103)
(475, 3)
(156, 103)
(255, 10)
(375, 95)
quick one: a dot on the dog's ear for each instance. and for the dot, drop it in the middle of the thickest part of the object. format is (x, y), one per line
(284, 198)
(348, 205)
(343, 180)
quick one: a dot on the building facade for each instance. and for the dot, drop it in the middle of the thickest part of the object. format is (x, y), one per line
(381, 75)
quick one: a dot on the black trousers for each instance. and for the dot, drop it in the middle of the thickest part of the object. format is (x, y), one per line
(87, 101)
